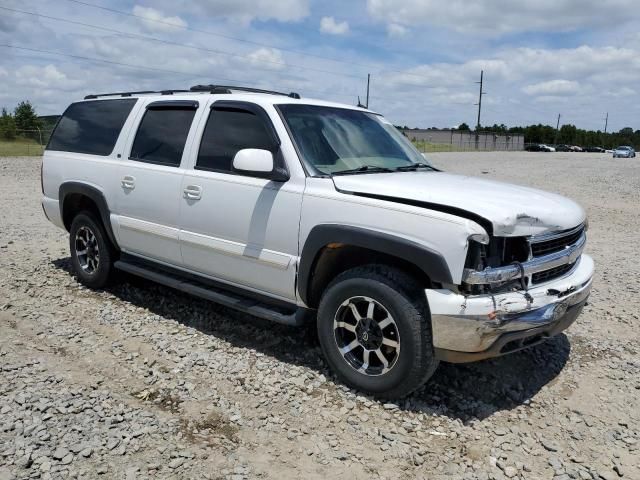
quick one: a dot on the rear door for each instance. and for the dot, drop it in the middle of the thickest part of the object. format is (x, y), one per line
(237, 227)
(149, 192)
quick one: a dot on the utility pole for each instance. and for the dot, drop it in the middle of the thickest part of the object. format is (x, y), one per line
(368, 80)
(606, 122)
(557, 129)
(479, 107)
(480, 99)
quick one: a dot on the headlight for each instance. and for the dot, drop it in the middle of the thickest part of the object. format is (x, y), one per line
(482, 238)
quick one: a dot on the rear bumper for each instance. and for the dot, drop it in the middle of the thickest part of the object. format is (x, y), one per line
(473, 328)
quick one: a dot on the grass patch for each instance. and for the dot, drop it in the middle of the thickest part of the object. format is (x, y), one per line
(20, 147)
(427, 147)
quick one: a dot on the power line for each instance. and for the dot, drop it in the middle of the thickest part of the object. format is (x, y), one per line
(142, 67)
(177, 44)
(243, 40)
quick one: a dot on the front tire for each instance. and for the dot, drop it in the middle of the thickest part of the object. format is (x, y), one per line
(374, 328)
(92, 254)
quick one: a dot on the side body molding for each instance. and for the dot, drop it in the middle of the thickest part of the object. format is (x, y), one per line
(427, 260)
(69, 188)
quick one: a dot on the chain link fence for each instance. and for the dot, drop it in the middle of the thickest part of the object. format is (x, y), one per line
(457, 140)
(20, 143)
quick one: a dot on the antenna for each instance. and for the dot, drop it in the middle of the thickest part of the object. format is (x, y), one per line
(368, 80)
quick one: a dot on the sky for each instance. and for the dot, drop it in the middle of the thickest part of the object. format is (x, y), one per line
(541, 58)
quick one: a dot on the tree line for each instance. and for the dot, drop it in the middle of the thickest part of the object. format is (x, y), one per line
(567, 134)
(571, 135)
(23, 121)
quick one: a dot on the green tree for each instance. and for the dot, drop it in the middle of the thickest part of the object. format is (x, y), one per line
(25, 116)
(463, 127)
(7, 125)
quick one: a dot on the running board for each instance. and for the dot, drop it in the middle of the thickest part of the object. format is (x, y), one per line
(296, 316)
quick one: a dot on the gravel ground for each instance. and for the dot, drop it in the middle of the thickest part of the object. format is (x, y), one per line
(143, 382)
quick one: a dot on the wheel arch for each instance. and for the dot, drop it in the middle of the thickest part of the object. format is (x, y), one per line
(77, 196)
(333, 248)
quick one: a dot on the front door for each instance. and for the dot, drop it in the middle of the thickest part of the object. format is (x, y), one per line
(237, 228)
(149, 193)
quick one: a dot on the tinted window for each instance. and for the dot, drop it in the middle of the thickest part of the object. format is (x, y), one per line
(227, 131)
(162, 135)
(338, 139)
(91, 127)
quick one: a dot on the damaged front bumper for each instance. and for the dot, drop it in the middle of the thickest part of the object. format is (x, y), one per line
(470, 328)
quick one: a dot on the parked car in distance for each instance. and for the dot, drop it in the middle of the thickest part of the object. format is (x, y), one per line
(576, 148)
(624, 152)
(533, 147)
(538, 147)
(594, 149)
(563, 148)
(306, 212)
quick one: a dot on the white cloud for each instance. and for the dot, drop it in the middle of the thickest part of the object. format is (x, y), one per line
(158, 21)
(396, 30)
(331, 26)
(553, 87)
(494, 17)
(267, 58)
(47, 77)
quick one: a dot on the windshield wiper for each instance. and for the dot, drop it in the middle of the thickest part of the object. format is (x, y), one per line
(364, 168)
(413, 167)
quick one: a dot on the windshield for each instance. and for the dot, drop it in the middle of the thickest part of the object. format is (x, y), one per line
(337, 140)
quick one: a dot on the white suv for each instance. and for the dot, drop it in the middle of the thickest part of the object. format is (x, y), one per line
(301, 210)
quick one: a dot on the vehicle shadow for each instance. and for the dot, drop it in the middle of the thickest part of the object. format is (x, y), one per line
(465, 392)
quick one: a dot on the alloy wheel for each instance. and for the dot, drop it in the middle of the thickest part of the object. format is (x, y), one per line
(367, 335)
(87, 251)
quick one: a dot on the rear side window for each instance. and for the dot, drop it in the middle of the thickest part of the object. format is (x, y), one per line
(91, 127)
(227, 131)
(162, 135)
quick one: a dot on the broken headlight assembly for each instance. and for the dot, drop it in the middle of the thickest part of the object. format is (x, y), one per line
(490, 252)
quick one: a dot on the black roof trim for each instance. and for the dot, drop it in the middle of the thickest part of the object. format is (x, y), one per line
(129, 94)
(228, 88)
(217, 89)
(166, 104)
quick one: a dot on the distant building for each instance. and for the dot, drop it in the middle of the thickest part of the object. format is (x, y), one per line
(465, 140)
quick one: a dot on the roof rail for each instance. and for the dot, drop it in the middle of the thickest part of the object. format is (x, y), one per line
(228, 88)
(196, 88)
(129, 94)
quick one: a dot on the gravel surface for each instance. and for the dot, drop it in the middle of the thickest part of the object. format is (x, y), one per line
(143, 382)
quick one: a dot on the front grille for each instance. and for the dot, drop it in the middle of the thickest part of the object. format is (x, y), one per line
(557, 244)
(547, 275)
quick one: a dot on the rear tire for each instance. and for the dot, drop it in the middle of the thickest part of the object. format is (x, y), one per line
(374, 328)
(92, 254)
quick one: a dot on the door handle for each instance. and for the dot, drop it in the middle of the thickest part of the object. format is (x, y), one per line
(193, 192)
(128, 182)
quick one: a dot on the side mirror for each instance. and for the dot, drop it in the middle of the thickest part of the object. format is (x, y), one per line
(259, 163)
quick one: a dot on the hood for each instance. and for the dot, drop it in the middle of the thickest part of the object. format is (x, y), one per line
(511, 210)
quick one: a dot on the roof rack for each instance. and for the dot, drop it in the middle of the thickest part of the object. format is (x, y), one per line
(196, 88)
(229, 88)
(129, 94)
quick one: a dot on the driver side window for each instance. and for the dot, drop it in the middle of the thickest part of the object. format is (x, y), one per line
(227, 131)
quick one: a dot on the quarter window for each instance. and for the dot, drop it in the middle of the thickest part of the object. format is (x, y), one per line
(91, 127)
(229, 130)
(162, 136)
